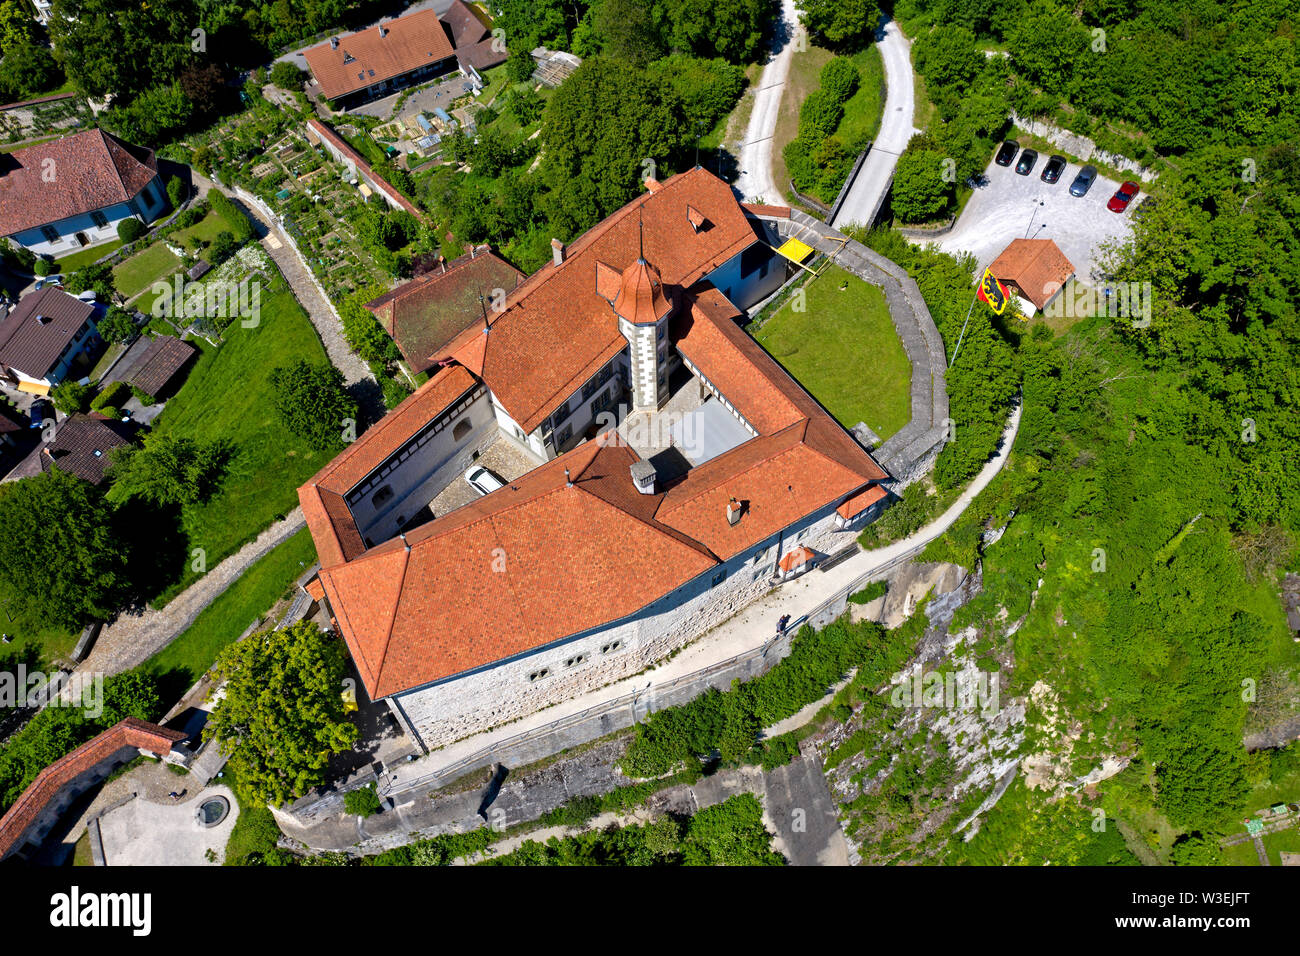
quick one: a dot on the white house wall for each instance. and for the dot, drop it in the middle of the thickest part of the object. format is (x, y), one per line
(429, 468)
(147, 205)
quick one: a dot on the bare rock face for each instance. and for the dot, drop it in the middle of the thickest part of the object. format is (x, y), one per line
(911, 584)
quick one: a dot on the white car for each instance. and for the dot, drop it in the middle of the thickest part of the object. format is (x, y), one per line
(482, 480)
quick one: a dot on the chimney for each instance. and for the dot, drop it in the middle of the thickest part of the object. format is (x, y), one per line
(568, 481)
(651, 184)
(557, 251)
(442, 261)
(733, 512)
(643, 477)
(383, 30)
(334, 43)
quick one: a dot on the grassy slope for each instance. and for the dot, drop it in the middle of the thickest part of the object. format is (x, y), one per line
(228, 396)
(844, 350)
(805, 76)
(85, 257)
(205, 229)
(228, 616)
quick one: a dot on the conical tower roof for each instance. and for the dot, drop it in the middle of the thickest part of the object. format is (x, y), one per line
(641, 297)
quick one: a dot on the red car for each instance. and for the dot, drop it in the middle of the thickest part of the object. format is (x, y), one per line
(1123, 196)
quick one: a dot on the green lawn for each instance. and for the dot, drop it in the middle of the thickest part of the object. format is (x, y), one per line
(205, 230)
(843, 349)
(50, 642)
(1244, 854)
(144, 268)
(222, 621)
(228, 396)
(85, 257)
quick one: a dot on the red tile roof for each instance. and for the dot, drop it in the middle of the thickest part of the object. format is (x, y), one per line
(327, 514)
(28, 808)
(441, 608)
(92, 170)
(423, 315)
(463, 24)
(558, 330)
(861, 502)
(793, 559)
(641, 299)
(158, 364)
(35, 333)
(1037, 267)
(382, 52)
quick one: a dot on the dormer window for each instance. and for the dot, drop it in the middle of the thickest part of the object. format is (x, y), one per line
(348, 57)
(696, 218)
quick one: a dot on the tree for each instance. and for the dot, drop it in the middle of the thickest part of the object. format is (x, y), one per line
(520, 66)
(313, 403)
(287, 76)
(97, 276)
(840, 24)
(28, 69)
(176, 191)
(920, 192)
(117, 326)
(601, 126)
(59, 556)
(730, 29)
(281, 718)
(363, 802)
(168, 470)
(130, 229)
(525, 105)
(121, 46)
(627, 31)
(71, 396)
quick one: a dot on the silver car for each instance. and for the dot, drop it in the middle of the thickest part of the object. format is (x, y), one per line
(482, 480)
(1083, 182)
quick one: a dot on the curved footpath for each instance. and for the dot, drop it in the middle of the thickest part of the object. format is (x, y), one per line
(867, 194)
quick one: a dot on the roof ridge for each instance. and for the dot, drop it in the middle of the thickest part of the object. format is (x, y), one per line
(654, 525)
(392, 617)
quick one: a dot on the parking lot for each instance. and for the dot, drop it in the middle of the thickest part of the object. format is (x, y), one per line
(1010, 206)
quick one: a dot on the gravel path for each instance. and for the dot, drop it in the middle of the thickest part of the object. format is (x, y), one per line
(134, 637)
(755, 159)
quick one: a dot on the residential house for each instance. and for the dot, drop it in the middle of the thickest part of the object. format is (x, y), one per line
(1036, 270)
(69, 193)
(46, 338)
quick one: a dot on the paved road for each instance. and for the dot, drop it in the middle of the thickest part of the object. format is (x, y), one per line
(755, 160)
(868, 190)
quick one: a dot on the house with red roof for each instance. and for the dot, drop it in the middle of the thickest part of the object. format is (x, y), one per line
(72, 192)
(680, 474)
(47, 337)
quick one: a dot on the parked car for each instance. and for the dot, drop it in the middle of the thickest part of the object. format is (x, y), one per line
(1006, 153)
(48, 280)
(1123, 196)
(1052, 171)
(1083, 182)
(41, 411)
(1027, 160)
(482, 480)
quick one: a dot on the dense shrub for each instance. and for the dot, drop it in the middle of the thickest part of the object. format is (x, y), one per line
(115, 394)
(130, 229)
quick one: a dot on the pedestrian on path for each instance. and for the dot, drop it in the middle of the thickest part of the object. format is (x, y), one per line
(780, 625)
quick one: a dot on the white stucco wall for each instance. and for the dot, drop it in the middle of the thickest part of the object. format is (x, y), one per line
(148, 204)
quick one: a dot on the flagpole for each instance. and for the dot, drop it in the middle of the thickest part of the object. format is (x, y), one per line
(963, 325)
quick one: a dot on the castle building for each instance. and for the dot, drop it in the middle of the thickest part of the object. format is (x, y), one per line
(674, 473)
